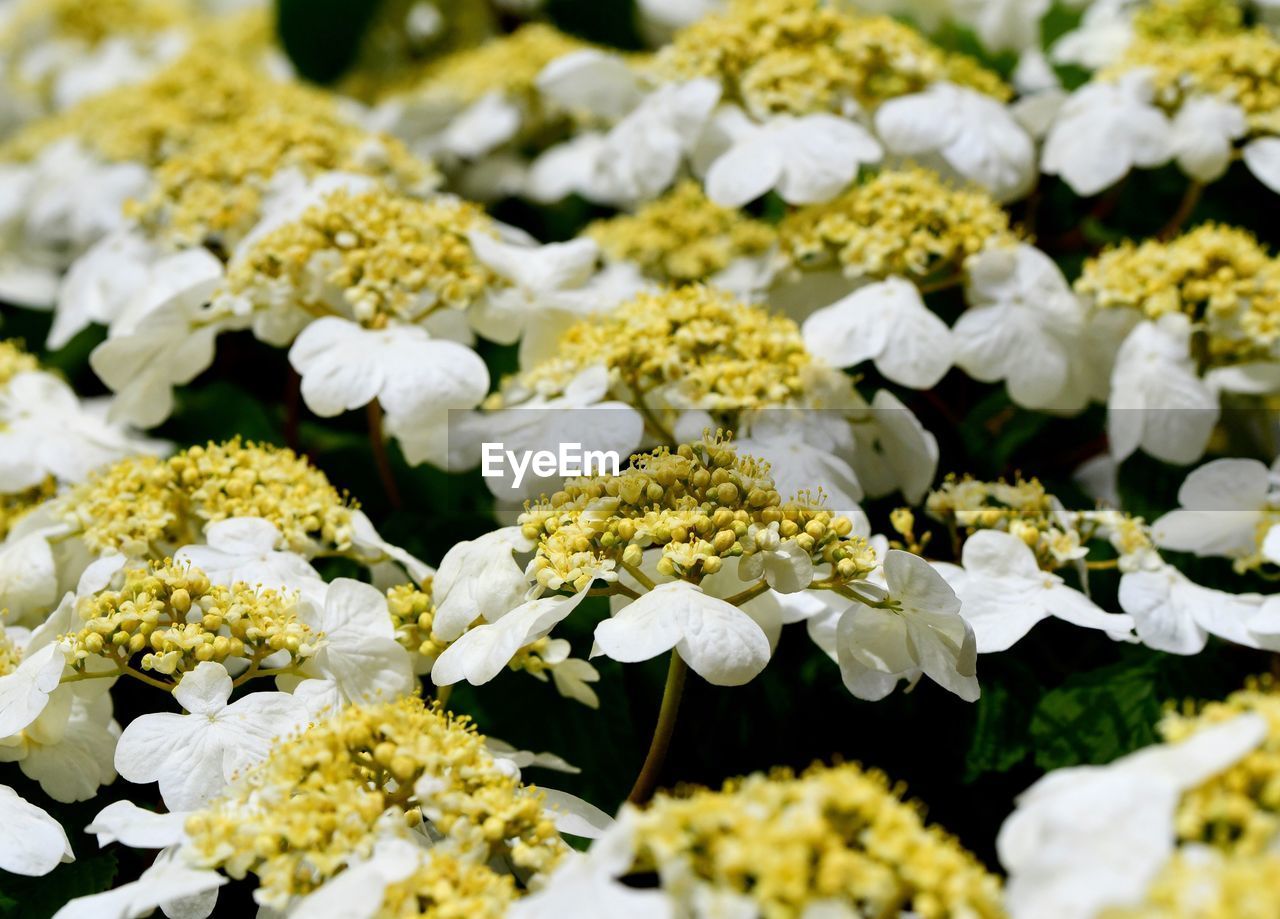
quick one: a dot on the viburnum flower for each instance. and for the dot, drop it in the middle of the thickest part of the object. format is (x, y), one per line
(1004, 593)
(1227, 507)
(783, 826)
(195, 755)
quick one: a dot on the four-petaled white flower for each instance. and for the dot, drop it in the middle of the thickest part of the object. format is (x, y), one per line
(194, 756)
(479, 579)
(885, 322)
(1004, 593)
(243, 550)
(1103, 130)
(720, 642)
(807, 159)
(915, 629)
(962, 132)
(1225, 506)
(1174, 614)
(1025, 326)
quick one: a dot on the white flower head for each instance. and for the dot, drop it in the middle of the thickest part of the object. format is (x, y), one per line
(917, 630)
(1004, 593)
(964, 133)
(1103, 130)
(887, 323)
(807, 159)
(194, 756)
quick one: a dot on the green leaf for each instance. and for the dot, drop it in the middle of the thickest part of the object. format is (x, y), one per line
(1098, 715)
(1000, 735)
(37, 898)
(322, 37)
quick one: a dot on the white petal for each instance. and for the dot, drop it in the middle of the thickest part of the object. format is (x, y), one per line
(204, 690)
(1262, 156)
(32, 843)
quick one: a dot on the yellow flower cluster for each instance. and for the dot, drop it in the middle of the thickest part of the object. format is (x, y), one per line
(448, 887)
(692, 345)
(905, 222)
(149, 122)
(1219, 276)
(1242, 66)
(805, 56)
(1206, 885)
(318, 801)
(145, 507)
(1238, 810)
(93, 23)
(682, 236)
(832, 835)
(14, 360)
(175, 619)
(14, 506)
(508, 65)
(392, 257)
(1186, 21)
(1022, 507)
(211, 193)
(701, 504)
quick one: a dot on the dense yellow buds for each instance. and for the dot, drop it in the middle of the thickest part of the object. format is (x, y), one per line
(391, 256)
(169, 618)
(319, 799)
(901, 222)
(805, 56)
(1220, 277)
(146, 507)
(682, 236)
(837, 835)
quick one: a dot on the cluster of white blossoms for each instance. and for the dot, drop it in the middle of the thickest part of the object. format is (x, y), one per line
(787, 264)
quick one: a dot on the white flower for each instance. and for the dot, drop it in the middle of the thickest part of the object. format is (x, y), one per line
(168, 882)
(801, 458)
(479, 579)
(1025, 326)
(1262, 156)
(641, 156)
(1203, 133)
(359, 658)
(1003, 593)
(1103, 130)
(169, 344)
(917, 630)
(54, 208)
(1091, 837)
(721, 643)
(33, 843)
(1224, 505)
(417, 379)
(194, 756)
(24, 693)
(966, 133)
(1003, 25)
(1172, 613)
(807, 159)
(243, 550)
(359, 890)
(136, 827)
(1104, 33)
(535, 276)
(482, 652)
(1157, 401)
(894, 450)
(68, 748)
(591, 82)
(887, 323)
(785, 566)
(1271, 545)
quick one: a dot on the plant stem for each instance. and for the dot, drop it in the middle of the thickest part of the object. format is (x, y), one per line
(647, 780)
(379, 444)
(1190, 198)
(293, 411)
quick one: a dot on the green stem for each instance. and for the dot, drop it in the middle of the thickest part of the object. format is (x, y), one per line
(378, 442)
(647, 780)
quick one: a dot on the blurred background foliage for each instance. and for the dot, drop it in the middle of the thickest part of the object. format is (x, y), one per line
(1062, 696)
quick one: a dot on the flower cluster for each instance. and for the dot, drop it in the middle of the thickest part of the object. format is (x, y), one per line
(321, 799)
